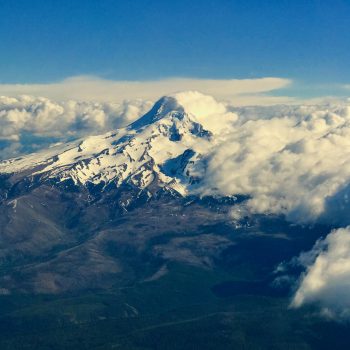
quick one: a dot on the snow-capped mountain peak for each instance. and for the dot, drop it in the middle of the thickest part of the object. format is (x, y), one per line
(165, 146)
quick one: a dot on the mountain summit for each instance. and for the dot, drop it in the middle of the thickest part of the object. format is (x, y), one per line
(167, 146)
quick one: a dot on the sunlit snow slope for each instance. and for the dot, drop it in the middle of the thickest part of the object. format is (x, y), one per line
(163, 145)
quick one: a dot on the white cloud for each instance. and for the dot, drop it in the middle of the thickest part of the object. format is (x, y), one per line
(289, 160)
(207, 111)
(26, 120)
(89, 88)
(327, 278)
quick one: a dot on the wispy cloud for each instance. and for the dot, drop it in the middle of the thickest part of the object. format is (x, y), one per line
(90, 88)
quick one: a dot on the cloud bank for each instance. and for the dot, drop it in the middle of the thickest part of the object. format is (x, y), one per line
(293, 161)
(30, 123)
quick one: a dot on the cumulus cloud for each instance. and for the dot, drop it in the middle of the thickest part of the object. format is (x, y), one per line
(29, 123)
(207, 111)
(327, 277)
(293, 161)
(90, 88)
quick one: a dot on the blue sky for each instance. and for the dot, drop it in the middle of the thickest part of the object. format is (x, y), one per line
(44, 41)
(242, 52)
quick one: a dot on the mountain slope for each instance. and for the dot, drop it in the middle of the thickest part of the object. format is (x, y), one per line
(145, 152)
(113, 208)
